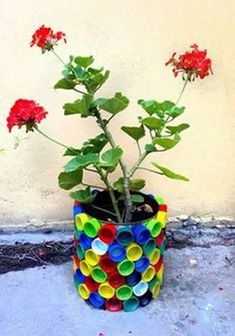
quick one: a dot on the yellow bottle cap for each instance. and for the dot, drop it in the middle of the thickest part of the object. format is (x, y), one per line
(80, 220)
(106, 291)
(85, 268)
(91, 257)
(154, 256)
(134, 252)
(162, 217)
(83, 291)
(148, 274)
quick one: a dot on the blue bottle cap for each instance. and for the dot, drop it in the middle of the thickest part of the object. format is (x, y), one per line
(79, 276)
(116, 252)
(77, 209)
(95, 191)
(96, 300)
(141, 234)
(131, 304)
(124, 236)
(85, 241)
(133, 278)
(142, 264)
(145, 299)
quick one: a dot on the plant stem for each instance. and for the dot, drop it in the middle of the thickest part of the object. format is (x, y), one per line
(138, 162)
(139, 148)
(111, 193)
(128, 201)
(59, 58)
(49, 138)
(182, 91)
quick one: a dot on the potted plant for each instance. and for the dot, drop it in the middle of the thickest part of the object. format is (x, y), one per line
(119, 231)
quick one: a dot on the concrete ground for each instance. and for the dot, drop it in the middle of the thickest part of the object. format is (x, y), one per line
(198, 299)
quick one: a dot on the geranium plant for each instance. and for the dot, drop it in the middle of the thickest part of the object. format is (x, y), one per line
(157, 131)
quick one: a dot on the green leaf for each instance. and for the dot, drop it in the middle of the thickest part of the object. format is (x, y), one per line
(177, 129)
(135, 132)
(167, 143)
(167, 172)
(72, 152)
(94, 71)
(111, 158)
(114, 105)
(95, 145)
(81, 161)
(64, 84)
(135, 184)
(70, 180)
(149, 148)
(84, 61)
(95, 81)
(137, 198)
(153, 107)
(152, 123)
(175, 111)
(83, 196)
(80, 106)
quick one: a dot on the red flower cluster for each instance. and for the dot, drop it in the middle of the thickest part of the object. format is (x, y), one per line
(25, 112)
(192, 63)
(46, 39)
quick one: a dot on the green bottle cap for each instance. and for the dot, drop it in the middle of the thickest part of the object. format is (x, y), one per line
(126, 267)
(131, 304)
(124, 293)
(92, 227)
(98, 274)
(154, 227)
(149, 246)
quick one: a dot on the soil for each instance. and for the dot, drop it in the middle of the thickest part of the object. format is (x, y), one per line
(101, 208)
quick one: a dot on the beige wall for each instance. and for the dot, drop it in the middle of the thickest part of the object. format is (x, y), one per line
(133, 39)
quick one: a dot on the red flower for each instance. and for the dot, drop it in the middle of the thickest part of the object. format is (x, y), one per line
(192, 63)
(46, 39)
(25, 112)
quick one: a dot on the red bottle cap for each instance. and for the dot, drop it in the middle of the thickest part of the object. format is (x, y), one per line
(91, 284)
(107, 264)
(159, 238)
(158, 265)
(163, 207)
(116, 280)
(76, 203)
(113, 304)
(76, 259)
(107, 233)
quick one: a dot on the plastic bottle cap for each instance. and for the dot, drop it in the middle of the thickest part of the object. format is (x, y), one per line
(77, 233)
(98, 274)
(76, 260)
(83, 291)
(131, 305)
(158, 265)
(124, 292)
(80, 251)
(77, 209)
(163, 246)
(80, 220)
(142, 264)
(134, 252)
(159, 239)
(116, 252)
(91, 284)
(141, 288)
(153, 282)
(155, 290)
(91, 257)
(96, 300)
(141, 234)
(107, 233)
(91, 227)
(154, 227)
(161, 218)
(99, 246)
(85, 268)
(149, 246)
(145, 299)
(154, 256)
(79, 276)
(116, 280)
(124, 236)
(133, 278)
(163, 207)
(113, 304)
(126, 267)
(106, 291)
(107, 264)
(85, 241)
(159, 200)
(160, 272)
(148, 274)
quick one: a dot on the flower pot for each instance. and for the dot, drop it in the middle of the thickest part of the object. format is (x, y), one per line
(119, 267)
